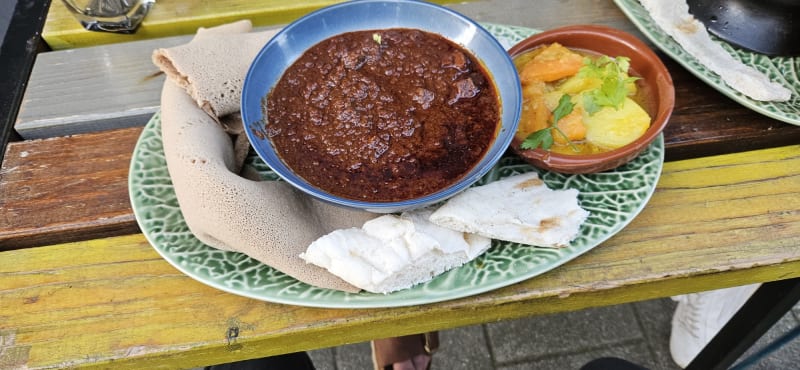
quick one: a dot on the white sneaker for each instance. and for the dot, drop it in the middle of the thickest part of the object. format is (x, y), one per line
(699, 316)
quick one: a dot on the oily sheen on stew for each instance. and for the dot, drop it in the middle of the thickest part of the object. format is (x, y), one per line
(383, 115)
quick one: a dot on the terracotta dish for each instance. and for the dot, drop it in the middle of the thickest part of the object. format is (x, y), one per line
(644, 63)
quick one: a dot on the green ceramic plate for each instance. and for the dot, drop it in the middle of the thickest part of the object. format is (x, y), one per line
(780, 69)
(614, 198)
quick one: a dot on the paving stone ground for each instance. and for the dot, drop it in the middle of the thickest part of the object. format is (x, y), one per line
(637, 332)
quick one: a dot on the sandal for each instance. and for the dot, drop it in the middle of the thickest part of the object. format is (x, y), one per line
(386, 352)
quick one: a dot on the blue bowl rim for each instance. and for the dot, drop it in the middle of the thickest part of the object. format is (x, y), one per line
(497, 150)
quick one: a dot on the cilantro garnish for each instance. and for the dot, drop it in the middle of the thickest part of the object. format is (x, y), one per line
(612, 75)
(544, 137)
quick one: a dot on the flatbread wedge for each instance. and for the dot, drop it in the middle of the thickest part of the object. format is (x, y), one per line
(519, 209)
(674, 19)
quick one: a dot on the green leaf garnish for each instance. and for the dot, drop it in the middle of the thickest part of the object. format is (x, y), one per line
(544, 138)
(563, 108)
(612, 74)
(614, 80)
(589, 104)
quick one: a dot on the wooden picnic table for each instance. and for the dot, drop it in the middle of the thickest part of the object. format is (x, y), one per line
(80, 286)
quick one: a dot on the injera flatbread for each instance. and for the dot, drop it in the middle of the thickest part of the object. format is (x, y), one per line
(213, 66)
(674, 19)
(266, 220)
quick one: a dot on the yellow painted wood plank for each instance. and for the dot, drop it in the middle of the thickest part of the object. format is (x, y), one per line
(178, 17)
(713, 222)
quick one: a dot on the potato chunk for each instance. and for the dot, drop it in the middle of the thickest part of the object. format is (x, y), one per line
(613, 128)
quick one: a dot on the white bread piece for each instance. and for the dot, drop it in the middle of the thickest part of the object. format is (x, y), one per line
(674, 19)
(519, 208)
(391, 253)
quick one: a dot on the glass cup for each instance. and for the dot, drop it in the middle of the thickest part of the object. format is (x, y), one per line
(120, 16)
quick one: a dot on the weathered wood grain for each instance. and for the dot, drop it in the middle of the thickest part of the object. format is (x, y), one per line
(705, 122)
(75, 187)
(546, 14)
(66, 188)
(713, 222)
(173, 18)
(114, 86)
(92, 89)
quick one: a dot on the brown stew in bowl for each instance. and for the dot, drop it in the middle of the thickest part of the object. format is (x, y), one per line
(383, 115)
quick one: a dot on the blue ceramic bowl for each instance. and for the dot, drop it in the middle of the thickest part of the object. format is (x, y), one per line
(291, 42)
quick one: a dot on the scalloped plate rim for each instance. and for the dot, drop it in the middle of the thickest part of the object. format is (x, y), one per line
(720, 87)
(367, 304)
(350, 304)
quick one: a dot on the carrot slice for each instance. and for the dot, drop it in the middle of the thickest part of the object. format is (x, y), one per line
(534, 115)
(571, 125)
(553, 63)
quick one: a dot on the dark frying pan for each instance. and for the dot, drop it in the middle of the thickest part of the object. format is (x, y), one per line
(769, 27)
